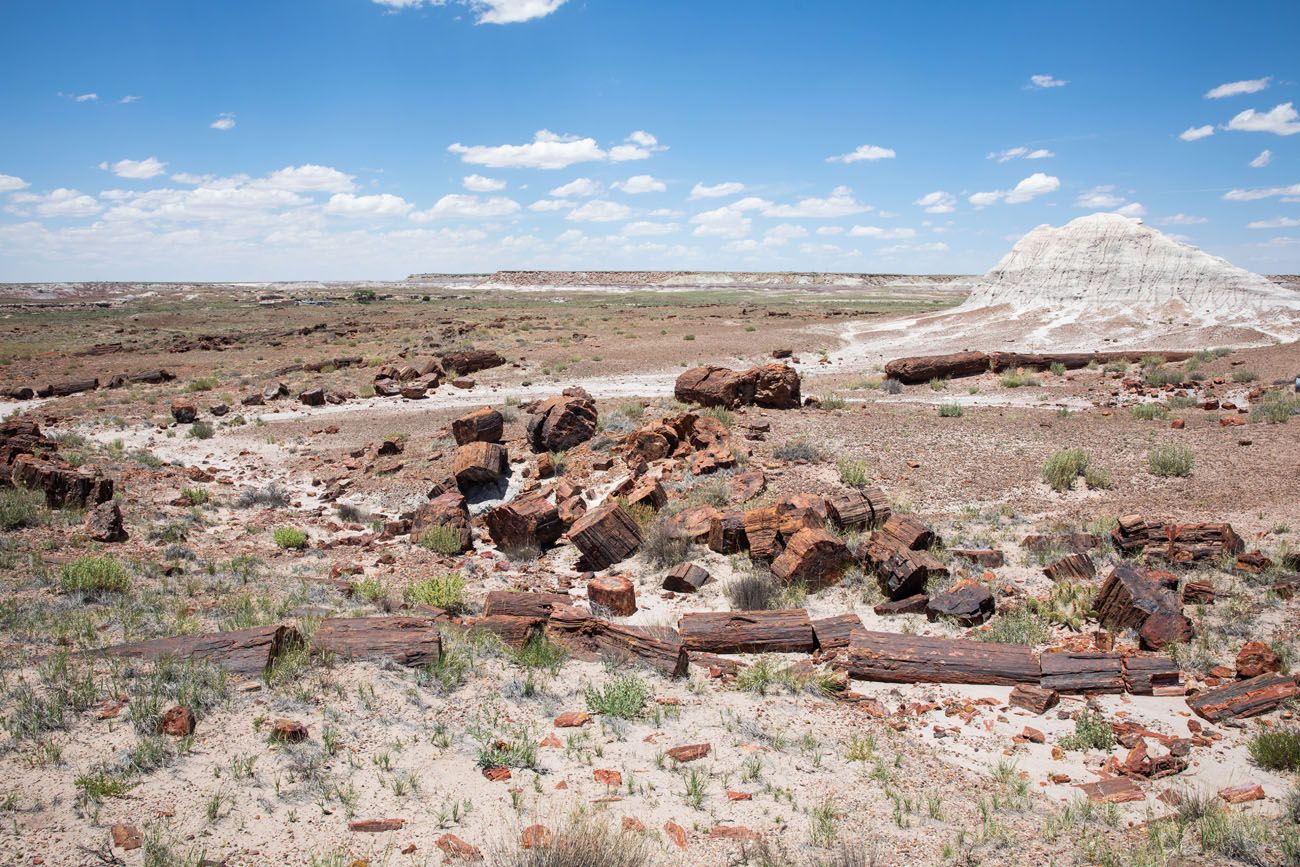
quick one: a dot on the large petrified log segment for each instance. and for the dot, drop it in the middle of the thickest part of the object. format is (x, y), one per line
(923, 368)
(68, 387)
(686, 578)
(893, 658)
(783, 631)
(479, 463)
(858, 510)
(530, 521)
(1244, 698)
(814, 557)
(613, 593)
(469, 361)
(246, 652)
(482, 425)
(832, 633)
(727, 533)
(1000, 361)
(605, 536)
(561, 423)
(968, 603)
(65, 487)
(1074, 567)
(1176, 543)
(1131, 598)
(776, 386)
(901, 573)
(588, 637)
(905, 531)
(715, 386)
(1034, 699)
(404, 640)
(513, 631)
(104, 523)
(692, 522)
(1089, 673)
(1152, 674)
(447, 510)
(513, 603)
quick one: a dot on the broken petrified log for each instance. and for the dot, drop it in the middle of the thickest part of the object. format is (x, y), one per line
(907, 605)
(923, 368)
(587, 636)
(1034, 699)
(1256, 658)
(447, 510)
(727, 533)
(832, 633)
(893, 658)
(530, 521)
(104, 523)
(1073, 543)
(989, 558)
(967, 603)
(901, 573)
(783, 631)
(1244, 698)
(605, 536)
(692, 522)
(858, 510)
(1134, 535)
(814, 557)
(1074, 567)
(1152, 674)
(246, 652)
(68, 387)
(685, 578)
(614, 593)
(469, 361)
(561, 423)
(513, 603)
(405, 640)
(1138, 599)
(905, 531)
(774, 386)
(482, 425)
(513, 631)
(479, 463)
(1086, 673)
(64, 486)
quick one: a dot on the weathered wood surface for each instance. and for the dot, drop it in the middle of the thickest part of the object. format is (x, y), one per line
(856, 510)
(404, 640)
(923, 368)
(482, 425)
(527, 521)
(513, 631)
(1086, 673)
(1244, 698)
(905, 531)
(686, 578)
(605, 536)
(1152, 674)
(515, 603)
(832, 633)
(783, 631)
(247, 652)
(1176, 543)
(589, 637)
(1073, 567)
(1034, 699)
(893, 658)
(901, 573)
(1138, 599)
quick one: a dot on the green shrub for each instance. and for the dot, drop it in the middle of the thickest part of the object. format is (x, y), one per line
(441, 591)
(1063, 467)
(1097, 479)
(623, 697)
(289, 537)
(664, 546)
(833, 401)
(201, 430)
(539, 652)
(853, 472)
(951, 410)
(20, 508)
(1244, 376)
(195, 496)
(1171, 460)
(1117, 366)
(1057, 368)
(1017, 626)
(203, 383)
(1164, 376)
(1275, 408)
(441, 539)
(1018, 378)
(938, 384)
(95, 575)
(1148, 411)
(1091, 732)
(1277, 750)
(798, 450)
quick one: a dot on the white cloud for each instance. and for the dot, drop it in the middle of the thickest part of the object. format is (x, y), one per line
(1035, 185)
(641, 184)
(86, 97)
(727, 188)
(461, 205)
(1046, 81)
(1020, 153)
(1265, 157)
(62, 202)
(1132, 209)
(670, 213)
(840, 203)
(571, 236)
(551, 205)
(646, 227)
(9, 183)
(1277, 223)
(1280, 120)
(138, 170)
(864, 152)
(490, 11)
(1184, 220)
(480, 184)
(580, 187)
(381, 205)
(938, 202)
(599, 211)
(779, 236)
(1236, 88)
(830, 230)
(931, 247)
(307, 178)
(128, 99)
(1099, 198)
(225, 121)
(548, 150)
(190, 178)
(883, 234)
(1195, 133)
(728, 221)
(1261, 193)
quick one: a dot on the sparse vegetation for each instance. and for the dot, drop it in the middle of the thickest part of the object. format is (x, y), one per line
(853, 472)
(798, 450)
(441, 539)
(951, 410)
(1277, 750)
(289, 538)
(623, 697)
(1171, 460)
(95, 575)
(20, 508)
(755, 591)
(445, 592)
(1091, 732)
(1063, 467)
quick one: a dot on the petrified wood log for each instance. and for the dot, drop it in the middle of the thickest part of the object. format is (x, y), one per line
(1074, 543)
(885, 656)
(481, 425)
(857, 510)
(513, 631)
(686, 578)
(832, 633)
(588, 637)
(923, 368)
(479, 463)
(907, 605)
(968, 603)
(561, 423)
(989, 558)
(1152, 674)
(470, 361)
(64, 486)
(1076, 567)
(727, 533)
(814, 557)
(905, 531)
(1034, 699)
(613, 593)
(784, 631)
(605, 536)
(1176, 543)
(1136, 599)
(447, 510)
(1088, 673)
(531, 521)
(404, 640)
(512, 603)
(1244, 698)
(68, 387)
(900, 572)
(246, 652)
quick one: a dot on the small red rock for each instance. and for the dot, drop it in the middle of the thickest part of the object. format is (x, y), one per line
(126, 837)
(179, 721)
(288, 731)
(572, 719)
(376, 826)
(1241, 794)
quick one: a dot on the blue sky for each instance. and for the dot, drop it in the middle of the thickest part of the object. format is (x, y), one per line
(285, 139)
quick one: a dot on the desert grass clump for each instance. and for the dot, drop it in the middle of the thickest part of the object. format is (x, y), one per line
(1277, 750)
(951, 410)
(1171, 460)
(203, 383)
(1148, 411)
(833, 401)
(798, 450)
(95, 575)
(1063, 467)
(891, 386)
(446, 592)
(757, 591)
(1017, 626)
(441, 539)
(288, 538)
(1018, 379)
(20, 508)
(195, 496)
(1091, 732)
(1057, 368)
(201, 430)
(586, 841)
(271, 495)
(853, 472)
(623, 697)
(1275, 408)
(664, 547)
(1244, 376)
(540, 653)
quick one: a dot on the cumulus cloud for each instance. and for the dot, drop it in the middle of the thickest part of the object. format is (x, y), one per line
(1020, 153)
(729, 221)
(840, 203)
(1276, 223)
(706, 191)
(462, 205)
(62, 202)
(580, 187)
(1195, 133)
(931, 247)
(480, 184)
(307, 178)
(1046, 81)
(490, 11)
(883, 234)
(1261, 193)
(863, 152)
(9, 183)
(599, 211)
(381, 205)
(1280, 120)
(128, 99)
(84, 97)
(1265, 157)
(648, 227)
(938, 202)
(224, 122)
(1035, 185)
(1099, 198)
(1184, 220)
(136, 169)
(551, 205)
(779, 236)
(1132, 209)
(830, 230)
(640, 184)
(1236, 88)
(548, 150)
